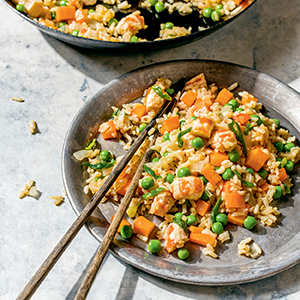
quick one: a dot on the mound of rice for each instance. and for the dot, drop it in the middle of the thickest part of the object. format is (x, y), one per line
(211, 146)
(102, 20)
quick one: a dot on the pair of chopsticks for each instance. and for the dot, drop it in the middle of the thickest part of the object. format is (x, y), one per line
(53, 257)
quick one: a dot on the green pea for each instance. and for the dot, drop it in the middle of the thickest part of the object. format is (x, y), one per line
(134, 39)
(263, 174)
(234, 103)
(184, 172)
(61, 24)
(277, 123)
(207, 12)
(288, 147)
(152, 2)
(126, 232)
(154, 246)
(256, 119)
(217, 168)
(278, 192)
(159, 6)
(147, 183)
(219, 7)
(53, 15)
(63, 3)
(250, 170)
(203, 179)
(142, 127)
(239, 109)
(191, 220)
(155, 159)
(166, 154)
(222, 218)
(217, 228)
(233, 156)
(198, 143)
(289, 166)
(75, 32)
(20, 7)
(91, 11)
(169, 25)
(279, 159)
(250, 222)
(204, 196)
(178, 216)
(166, 137)
(105, 155)
(216, 15)
(228, 174)
(194, 118)
(169, 178)
(279, 146)
(183, 253)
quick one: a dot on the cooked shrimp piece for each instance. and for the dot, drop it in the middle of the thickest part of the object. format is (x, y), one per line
(175, 237)
(202, 127)
(154, 101)
(162, 203)
(131, 23)
(196, 83)
(223, 140)
(190, 187)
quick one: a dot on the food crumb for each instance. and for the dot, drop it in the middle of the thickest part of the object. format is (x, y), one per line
(17, 99)
(29, 190)
(58, 200)
(32, 127)
(249, 249)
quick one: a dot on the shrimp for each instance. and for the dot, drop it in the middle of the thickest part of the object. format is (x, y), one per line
(190, 187)
(175, 237)
(162, 203)
(131, 24)
(202, 127)
(223, 140)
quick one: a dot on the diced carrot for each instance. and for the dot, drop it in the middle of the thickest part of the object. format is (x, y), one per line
(234, 200)
(122, 191)
(195, 229)
(282, 174)
(211, 175)
(48, 23)
(245, 3)
(202, 207)
(83, 31)
(264, 187)
(169, 124)
(123, 222)
(237, 2)
(64, 13)
(81, 15)
(241, 118)
(110, 131)
(224, 96)
(139, 111)
(256, 159)
(142, 226)
(203, 239)
(188, 98)
(237, 220)
(71, 21)
(216, 158)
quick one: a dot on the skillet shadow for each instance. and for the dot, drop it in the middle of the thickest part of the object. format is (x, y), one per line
(275, 287)
(234, 43)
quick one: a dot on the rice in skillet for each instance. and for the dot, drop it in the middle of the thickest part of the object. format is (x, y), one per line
(218, 159)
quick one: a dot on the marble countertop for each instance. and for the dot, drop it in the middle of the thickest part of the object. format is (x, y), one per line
(55, 79)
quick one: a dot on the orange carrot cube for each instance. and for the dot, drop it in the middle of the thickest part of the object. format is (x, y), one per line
(188, 98)
(142, 226)
(169, 124)
(224, 96)
(211, 175)
(202, 207)
(256, 159)
(216, 158)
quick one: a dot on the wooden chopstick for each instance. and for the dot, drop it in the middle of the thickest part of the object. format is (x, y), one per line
(112, 230)
(62, 245)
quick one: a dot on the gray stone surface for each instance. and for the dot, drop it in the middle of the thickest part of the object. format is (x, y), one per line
(55, 79)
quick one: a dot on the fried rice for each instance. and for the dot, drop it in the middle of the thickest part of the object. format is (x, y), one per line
(216, 154)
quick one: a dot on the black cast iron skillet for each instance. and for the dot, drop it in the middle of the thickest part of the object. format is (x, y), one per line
(190, 20)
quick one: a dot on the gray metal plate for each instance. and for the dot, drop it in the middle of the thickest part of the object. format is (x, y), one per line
(280, 244)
